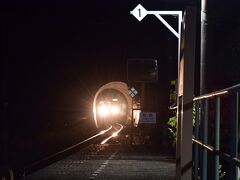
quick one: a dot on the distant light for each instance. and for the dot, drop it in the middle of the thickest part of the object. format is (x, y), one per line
(103, 110)
(114, 110)
(115, 100)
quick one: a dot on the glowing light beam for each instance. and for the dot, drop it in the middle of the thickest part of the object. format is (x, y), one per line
(103, 110)
(113, 134)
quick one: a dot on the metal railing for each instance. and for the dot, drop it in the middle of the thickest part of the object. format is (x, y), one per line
(202, 147)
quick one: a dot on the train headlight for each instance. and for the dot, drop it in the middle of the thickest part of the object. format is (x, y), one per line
(103, 110)
(114, 110)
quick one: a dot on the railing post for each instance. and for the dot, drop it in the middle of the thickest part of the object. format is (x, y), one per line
(234, 135)
(196, 135)
(205, 140)
(188, 62)
(217, 139)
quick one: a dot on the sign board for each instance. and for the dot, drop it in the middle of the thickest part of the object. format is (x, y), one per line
(147, 118)
(132, 92)
(139, 12)
(142, 70)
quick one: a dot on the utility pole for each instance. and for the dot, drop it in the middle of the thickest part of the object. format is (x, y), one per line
(206, 43)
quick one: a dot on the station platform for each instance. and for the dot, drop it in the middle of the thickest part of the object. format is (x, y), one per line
(111, 162)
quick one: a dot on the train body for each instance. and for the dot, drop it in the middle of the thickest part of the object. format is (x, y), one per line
(112, 104)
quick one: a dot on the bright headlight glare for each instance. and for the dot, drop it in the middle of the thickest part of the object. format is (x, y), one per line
(114, 109)
(103, 110)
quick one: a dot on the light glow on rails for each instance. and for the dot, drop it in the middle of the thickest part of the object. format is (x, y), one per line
(113, 134)
(102, 132)
(65, 150)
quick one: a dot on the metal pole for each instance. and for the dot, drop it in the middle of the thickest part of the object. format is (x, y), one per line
(205, 44)
(196, 134)
(179, 104)
(132, 124)
(179, 46)
(143, 96)
(217, 139)
(234, 135)
(205, 140)
(178, 145)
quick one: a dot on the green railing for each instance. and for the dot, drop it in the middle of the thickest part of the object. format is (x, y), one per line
(203, 151)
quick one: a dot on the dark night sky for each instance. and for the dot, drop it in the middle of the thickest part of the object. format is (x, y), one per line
(78, 33)
(81, 38)
(59, 53)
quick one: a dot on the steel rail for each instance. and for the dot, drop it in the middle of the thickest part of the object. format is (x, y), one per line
(27, 169)
(113, 134)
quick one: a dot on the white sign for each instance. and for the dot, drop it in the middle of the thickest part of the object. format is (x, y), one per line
(147, 118)
(132, 92)
(139, 12)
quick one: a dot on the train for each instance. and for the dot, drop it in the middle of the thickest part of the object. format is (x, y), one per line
(112, 104)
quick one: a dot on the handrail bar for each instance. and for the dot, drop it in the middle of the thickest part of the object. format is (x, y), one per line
(207, 146)
(201, 124)
(217, 93)
(225, 156)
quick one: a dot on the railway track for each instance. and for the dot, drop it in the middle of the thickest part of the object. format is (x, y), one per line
(86, 146)
(109, 158)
